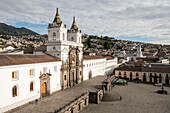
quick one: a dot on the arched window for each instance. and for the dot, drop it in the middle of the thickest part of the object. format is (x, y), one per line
(54, 36)
(150, 74)
(137, 74)
(54, 47)
(72, 38)
(150, 77)
(31, 86)
(85, 103)
(79, 107)
(160, 78)
(144, 77)
(65, 77)
(14, 91)
(63, 36)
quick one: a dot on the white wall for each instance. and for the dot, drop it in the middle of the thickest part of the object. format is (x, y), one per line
(96, 66)
(7, 101)
(111, 65)
(76, 35)
(59, 33)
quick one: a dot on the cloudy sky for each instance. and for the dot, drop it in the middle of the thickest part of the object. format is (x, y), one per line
(136, 20)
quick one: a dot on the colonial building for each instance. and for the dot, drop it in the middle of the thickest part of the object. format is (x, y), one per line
(98, 65)
(146, 73)
(27, 77)
(131, 56)
(57, 65)
(66, 45)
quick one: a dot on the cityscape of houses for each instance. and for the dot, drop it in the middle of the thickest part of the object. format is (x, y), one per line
(64, 71)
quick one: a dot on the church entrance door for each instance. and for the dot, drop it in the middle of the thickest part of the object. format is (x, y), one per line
(45, 84)
(44, 89)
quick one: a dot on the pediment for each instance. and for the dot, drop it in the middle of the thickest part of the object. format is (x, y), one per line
(45, 76)
(65, 50)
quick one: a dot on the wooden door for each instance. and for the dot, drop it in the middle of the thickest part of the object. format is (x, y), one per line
(44, 88)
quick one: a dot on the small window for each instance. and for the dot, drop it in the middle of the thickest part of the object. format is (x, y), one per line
(44, 70)
(79, 107)
(54, 36)
(150, 74)
(14, 91)
(85, 103)
(15, 75)
(54, 48)
(31, 86)
(72, 38)
(55, 68)
(31, 72)
(137, 74)
(80, 72)
(65, 77)
(63, 36)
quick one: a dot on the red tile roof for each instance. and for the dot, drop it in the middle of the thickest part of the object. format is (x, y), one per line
(160, 69)
(41, 48)
(86, 57)
(109, 57)
(18, 59)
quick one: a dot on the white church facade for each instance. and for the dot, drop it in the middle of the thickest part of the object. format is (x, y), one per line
(132, 56)
(26, 77)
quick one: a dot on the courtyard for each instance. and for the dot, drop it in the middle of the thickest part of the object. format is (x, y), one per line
(60, 99)
(136, 98)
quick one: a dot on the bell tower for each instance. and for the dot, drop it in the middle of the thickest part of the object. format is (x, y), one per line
(67, 46)
(57, 30)
(139, 51)
(57, 33)
(74, 34)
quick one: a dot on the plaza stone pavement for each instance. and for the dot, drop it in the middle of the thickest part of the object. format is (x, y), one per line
(58, 100)
(136, 98)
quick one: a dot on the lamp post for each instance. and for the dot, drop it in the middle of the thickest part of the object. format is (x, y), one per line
(162, 88)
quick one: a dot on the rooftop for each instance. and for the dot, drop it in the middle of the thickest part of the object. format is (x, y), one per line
(161, 69)
(19, 59)
(86, 57)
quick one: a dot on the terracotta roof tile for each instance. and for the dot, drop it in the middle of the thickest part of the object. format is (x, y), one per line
(161, 69)
(86, 57)
(109, 57)
(18, 59)
(41, 48)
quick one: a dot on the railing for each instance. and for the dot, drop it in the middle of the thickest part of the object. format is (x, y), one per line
(74, 102)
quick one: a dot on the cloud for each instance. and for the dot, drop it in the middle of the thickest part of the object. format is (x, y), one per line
(130, 18)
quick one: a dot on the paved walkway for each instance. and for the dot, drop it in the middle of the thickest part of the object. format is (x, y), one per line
(60, 99)
(136, 98)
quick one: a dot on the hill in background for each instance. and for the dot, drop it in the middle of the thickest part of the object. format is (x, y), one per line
(11, 30)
